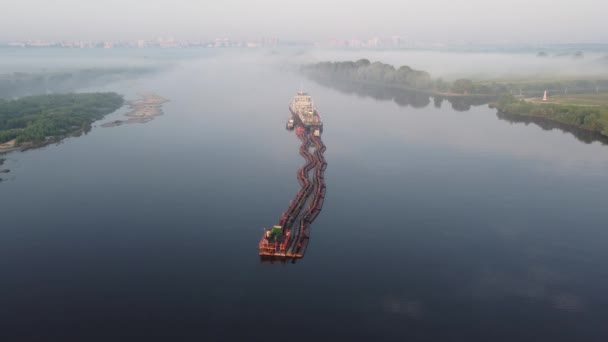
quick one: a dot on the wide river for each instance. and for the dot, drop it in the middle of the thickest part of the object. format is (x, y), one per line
(438, 225)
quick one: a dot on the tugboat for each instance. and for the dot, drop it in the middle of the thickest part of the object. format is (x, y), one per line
(274, 242)
(290, 124)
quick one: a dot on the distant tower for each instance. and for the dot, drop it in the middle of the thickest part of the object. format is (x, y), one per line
(396, 40)
(545, 96)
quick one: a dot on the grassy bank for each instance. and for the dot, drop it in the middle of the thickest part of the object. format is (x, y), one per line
(580, 99)
(569, 110)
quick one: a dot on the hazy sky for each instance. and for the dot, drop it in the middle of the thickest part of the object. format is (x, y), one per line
(420, 20)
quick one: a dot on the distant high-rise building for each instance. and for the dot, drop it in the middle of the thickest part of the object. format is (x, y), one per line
(396, 40)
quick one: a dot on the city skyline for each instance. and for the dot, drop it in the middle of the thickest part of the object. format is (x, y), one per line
(443, 21)
(372, 42)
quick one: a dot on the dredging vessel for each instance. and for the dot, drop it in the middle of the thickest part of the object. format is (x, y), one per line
(304, 112)
(289, 238)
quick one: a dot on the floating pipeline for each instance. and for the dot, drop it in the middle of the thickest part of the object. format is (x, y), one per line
(300, 200)
(315, 204)
(288, 240)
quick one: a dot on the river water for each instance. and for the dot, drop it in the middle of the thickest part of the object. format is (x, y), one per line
(438, 224)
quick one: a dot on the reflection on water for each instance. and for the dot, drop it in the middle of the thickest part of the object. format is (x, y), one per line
(582, 135)
(421, 99)
(404, 97)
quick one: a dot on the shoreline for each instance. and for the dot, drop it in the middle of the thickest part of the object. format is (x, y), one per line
(582, 134)
(7, 147)
(64, 115)
(142, 110)
(588, 120)
(489, 99)
(544, 118)
(52, 140)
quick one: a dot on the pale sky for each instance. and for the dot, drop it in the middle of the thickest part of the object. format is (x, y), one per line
(533, 21)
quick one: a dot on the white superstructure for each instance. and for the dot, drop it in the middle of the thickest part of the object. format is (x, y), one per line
(303, 107)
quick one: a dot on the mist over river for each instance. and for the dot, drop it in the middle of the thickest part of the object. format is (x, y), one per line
(438, 224)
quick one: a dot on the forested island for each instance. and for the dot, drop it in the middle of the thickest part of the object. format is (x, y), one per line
(38, 120)
(380, 74)
(576, 103)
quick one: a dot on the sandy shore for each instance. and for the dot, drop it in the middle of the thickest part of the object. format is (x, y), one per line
(8, 147)
(144, 109)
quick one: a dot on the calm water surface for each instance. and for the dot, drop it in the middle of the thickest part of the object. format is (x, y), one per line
(438, 225)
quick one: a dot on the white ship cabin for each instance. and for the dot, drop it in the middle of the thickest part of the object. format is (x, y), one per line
(302, 103)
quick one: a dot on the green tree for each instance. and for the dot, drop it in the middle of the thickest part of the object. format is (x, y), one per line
(462, 86)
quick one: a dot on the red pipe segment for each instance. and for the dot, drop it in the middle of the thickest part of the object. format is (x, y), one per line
(303, 194)
(316, 203)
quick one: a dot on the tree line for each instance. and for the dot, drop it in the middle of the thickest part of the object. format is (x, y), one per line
(364, 71)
